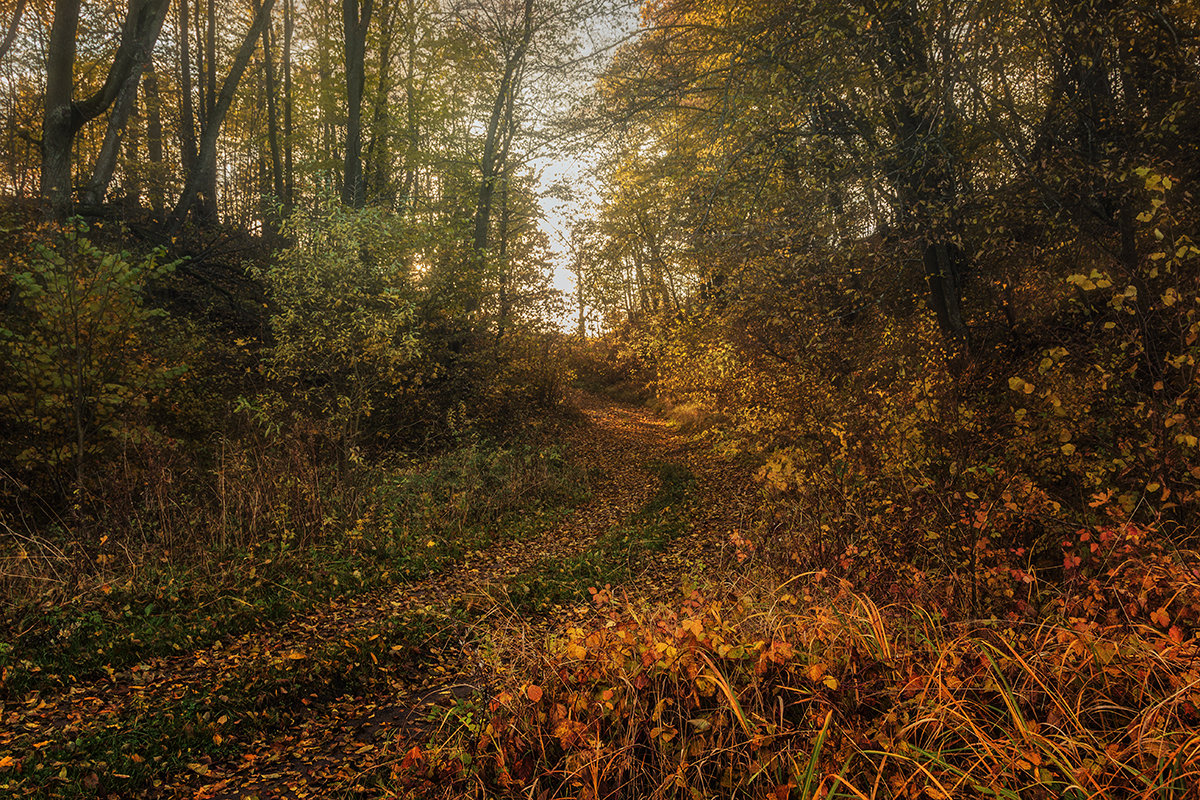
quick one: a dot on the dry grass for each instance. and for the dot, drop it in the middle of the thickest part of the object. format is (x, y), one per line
(811, 690)
(278, 497)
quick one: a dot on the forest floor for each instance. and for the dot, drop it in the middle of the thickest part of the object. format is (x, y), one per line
(328, 702)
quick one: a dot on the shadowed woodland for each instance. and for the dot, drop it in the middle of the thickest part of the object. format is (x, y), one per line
(589, 399)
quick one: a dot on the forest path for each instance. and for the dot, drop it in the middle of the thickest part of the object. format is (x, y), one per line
(324, 705)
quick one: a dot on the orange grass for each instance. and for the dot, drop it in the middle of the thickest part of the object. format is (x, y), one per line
(811, 690)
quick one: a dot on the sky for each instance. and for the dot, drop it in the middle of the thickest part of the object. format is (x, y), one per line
(598, 37)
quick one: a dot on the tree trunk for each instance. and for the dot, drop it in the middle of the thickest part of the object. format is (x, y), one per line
(488, 165)
(272, 114)
(187, 115)
(205, 170)
(118, 120)
(210, 59)
(208, 189)
(412, 119)
(154, 143)
(97, 186)
(378, 158)
(13, 27)
(201, 95)
(58, 129)
(925, 181)
(502, 114)
(289, 185)
(505, 299)
(131, 180)
(355, 21)
(326, 146)
(943, 274)
(63, 116)
(579, 298)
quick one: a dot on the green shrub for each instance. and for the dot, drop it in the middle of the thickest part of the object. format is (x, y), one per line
(80, 371)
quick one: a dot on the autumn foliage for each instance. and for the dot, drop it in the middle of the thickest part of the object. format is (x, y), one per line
(812, 690)
(870, 468)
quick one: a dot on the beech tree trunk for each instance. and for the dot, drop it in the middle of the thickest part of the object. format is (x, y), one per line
(272, 113)
(207, 194)
(355, 21)
(187, 115)
(491, 164)
(378, 157)
(204, 173)
(118, 120)
(106, 163)
(58, 124)
(154, 140)
(13, 27)
(63, 116)
(289, 185)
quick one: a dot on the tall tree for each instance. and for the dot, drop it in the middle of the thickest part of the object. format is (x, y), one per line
(288, 163)
(63, 116)
(187, 113)
(14, 26)
(205, 169)
(269, 85)
(830, 102)
(356, 19)
(154, 139)
(515, 38)
(377, 161)
(93, 193)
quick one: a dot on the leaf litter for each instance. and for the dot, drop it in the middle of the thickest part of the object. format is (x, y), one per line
(338, 699)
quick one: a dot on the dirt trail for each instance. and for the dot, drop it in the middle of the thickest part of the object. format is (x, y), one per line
(341, 746)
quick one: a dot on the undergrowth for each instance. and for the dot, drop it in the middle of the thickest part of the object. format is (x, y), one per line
(810, 689)
(120, 605)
